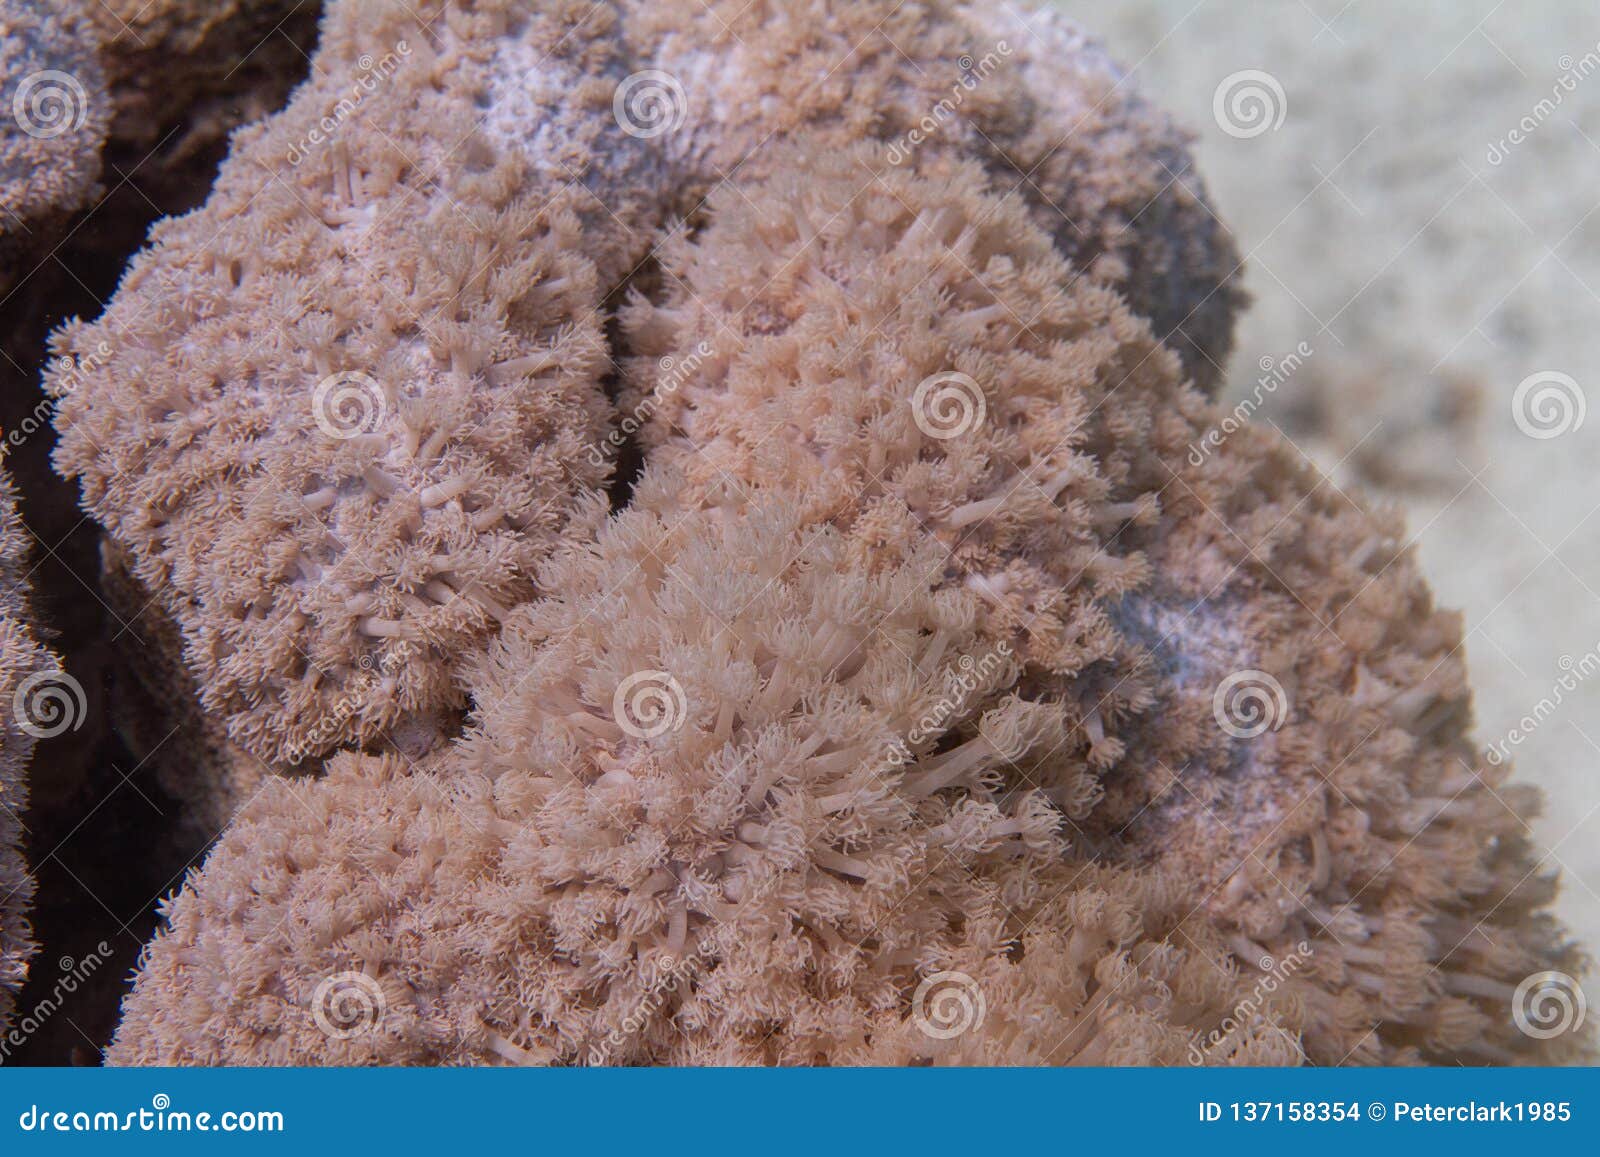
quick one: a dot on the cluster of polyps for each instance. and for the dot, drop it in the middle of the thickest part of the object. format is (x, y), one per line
(802, 562)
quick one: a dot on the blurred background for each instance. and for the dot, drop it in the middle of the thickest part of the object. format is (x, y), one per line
(1414, 186)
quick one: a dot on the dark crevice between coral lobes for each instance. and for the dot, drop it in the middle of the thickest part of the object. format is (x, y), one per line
(645, 279)
(104, 841)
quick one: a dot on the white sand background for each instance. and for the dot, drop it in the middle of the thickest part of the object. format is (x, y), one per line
(1430, 279)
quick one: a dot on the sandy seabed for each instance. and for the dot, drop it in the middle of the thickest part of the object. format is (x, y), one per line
(1419, 207)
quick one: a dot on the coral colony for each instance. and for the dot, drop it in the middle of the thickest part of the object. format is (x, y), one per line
(679, 527)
